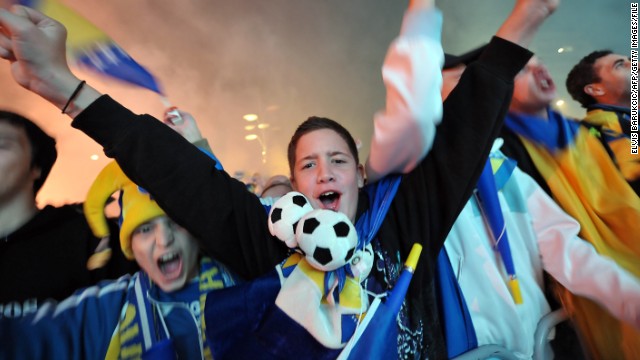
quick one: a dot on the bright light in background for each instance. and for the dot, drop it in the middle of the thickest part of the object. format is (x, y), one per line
(250, 117)
(565, 49)
(559, 102)
(94, 157)
(251, 137)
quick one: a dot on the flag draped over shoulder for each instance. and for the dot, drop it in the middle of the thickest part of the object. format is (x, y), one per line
(91, 48)
(589, 187)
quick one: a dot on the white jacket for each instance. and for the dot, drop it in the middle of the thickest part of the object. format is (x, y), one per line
(542, 237)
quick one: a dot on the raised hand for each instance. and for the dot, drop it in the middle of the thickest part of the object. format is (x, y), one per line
(538, 8)
(183, 123)
(525, 19)
(35, 46)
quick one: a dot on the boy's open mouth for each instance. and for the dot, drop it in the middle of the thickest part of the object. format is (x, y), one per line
(170, 264)
(330, 200)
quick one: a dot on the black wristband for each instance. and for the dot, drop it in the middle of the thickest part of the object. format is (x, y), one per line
(73, 95)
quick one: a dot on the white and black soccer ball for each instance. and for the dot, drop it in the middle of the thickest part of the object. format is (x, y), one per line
(327, 238)
(362, 262)
(285, 214)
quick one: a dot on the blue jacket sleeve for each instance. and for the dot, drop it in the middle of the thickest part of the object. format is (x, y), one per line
(79, 327)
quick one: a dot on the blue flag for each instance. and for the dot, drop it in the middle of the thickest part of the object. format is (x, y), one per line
(379, 331)
(91, 48)
(490, 205)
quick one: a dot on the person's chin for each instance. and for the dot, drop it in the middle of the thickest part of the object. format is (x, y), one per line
(172, 285)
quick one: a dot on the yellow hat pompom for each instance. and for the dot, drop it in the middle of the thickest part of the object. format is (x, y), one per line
(137, 208)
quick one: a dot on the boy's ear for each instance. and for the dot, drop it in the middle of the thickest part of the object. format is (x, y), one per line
(593, 90)
(293, 183)
(361, 176)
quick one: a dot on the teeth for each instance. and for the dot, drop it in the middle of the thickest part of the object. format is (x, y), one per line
(329, 199)
(544, 83)
(168, 257)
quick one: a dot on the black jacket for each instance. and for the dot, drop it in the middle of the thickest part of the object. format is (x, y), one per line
(46, 258)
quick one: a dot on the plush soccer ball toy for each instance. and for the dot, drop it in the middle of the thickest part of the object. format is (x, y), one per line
(362, 262)
(327, 238)
(285, 214)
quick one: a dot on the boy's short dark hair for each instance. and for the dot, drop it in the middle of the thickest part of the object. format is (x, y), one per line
(583, 74)
(318, 123)
(43, 146)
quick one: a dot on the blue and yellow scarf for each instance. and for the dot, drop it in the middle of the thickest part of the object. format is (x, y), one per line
(139, 334)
